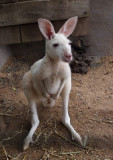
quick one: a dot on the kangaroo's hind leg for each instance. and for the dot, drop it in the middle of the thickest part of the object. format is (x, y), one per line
(34, 123)
(30, 94)
(65, 116)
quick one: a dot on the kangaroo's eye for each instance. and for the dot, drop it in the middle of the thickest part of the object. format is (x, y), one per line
(55, 45)
(70, 43)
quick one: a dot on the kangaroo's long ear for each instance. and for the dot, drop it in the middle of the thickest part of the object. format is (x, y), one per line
(46, 28)
(69, 26)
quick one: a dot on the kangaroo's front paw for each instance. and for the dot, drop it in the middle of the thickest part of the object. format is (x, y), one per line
(54, 96)
(27, 141)
(45, 94)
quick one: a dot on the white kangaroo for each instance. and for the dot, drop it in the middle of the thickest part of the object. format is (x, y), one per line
(51, 76)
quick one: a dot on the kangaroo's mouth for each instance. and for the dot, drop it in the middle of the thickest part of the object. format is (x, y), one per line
(67, 58)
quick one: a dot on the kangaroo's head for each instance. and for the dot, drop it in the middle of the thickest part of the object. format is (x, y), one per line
(58, 47)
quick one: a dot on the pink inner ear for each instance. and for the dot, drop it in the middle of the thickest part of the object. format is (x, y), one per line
(50, 34)
(46, 28)
(69, 26)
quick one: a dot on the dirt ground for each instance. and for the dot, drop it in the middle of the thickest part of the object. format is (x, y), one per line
(90, 109)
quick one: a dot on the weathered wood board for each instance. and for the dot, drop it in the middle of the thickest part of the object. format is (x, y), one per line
(82, 27)
(7, 1)
(30, 33)
(28, 11)
(10, 35)
(14, 1)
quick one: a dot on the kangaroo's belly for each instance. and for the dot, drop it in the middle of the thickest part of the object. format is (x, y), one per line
(52, 84)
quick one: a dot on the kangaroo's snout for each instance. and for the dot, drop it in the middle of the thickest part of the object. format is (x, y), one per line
(68, 57)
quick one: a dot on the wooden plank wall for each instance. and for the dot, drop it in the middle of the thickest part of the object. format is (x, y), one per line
(28, 11)
(30, 32)
(18, 18)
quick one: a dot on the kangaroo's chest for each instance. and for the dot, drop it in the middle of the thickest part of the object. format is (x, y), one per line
(52, 83)
(52, 75)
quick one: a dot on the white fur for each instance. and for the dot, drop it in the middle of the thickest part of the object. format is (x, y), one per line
(51, 76)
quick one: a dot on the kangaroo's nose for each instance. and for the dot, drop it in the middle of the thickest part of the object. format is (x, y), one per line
(68, 55)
